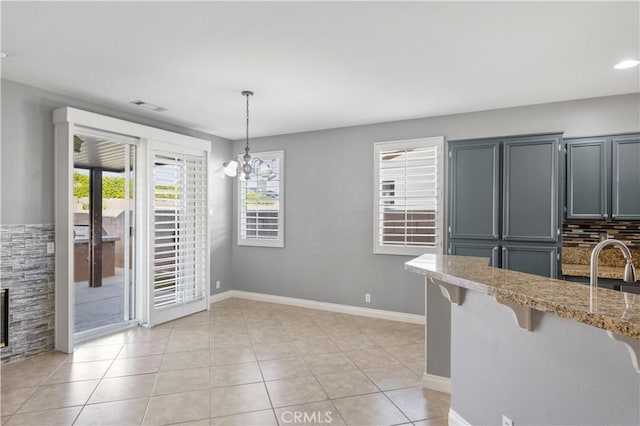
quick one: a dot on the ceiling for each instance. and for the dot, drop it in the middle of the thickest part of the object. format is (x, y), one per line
(90, 151)
(317, 65)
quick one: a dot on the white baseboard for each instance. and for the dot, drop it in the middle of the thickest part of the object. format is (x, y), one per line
(438, 383)
(324, 306)
(221, 296)
(456, 419)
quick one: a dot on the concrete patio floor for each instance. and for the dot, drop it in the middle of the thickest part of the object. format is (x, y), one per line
(99, 306)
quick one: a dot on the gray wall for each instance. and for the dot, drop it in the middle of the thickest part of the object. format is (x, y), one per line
(28, 166)
(328, 253)
(562, 373)
(438, 335)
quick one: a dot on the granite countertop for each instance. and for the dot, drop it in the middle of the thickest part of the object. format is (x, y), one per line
(612, 272)
(565, 299)
(575, 262)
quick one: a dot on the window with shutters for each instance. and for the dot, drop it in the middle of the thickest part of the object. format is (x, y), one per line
(180, 231)
(261, 202)
(408, 200)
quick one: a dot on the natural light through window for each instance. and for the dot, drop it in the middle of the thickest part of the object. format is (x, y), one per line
(408, 196)
(261, 199)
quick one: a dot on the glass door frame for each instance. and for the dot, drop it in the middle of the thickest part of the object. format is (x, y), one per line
(130, 265)
(65, 121)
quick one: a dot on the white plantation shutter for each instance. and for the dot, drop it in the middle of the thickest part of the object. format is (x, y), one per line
(408, 196)
(180, 228)
(261, 201)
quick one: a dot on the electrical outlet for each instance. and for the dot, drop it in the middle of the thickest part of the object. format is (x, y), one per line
(506, 421)
(217, 284)
(367, 297)
(51, 248)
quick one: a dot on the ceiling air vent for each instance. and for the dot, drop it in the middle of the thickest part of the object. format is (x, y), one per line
(150, 107)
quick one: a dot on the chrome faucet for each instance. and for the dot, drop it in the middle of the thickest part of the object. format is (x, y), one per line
(629, 269)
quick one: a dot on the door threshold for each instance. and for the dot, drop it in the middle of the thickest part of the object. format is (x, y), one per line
(105, 330)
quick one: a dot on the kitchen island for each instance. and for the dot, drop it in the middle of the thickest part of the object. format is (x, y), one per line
(535, 349)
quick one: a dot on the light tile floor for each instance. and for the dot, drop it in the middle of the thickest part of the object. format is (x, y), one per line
(242, 363)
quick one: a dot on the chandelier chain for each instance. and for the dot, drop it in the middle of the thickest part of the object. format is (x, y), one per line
(247, 139)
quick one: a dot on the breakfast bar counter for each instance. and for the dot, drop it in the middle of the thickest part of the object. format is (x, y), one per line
(533, 349)
(615, 311)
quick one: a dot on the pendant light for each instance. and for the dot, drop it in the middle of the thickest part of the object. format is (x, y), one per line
(231, 168)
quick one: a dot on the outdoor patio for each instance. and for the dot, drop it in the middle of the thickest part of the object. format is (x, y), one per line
(99, 306)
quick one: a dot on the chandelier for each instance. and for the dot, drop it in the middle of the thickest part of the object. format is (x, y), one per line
(232, 168)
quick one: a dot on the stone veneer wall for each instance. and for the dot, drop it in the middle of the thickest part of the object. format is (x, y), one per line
(587, 233)
(28, 272)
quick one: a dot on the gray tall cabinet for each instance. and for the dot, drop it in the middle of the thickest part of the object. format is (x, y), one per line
(503, 202)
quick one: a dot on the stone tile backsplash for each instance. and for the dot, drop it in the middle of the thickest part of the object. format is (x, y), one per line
(28, 272)
(587, 234)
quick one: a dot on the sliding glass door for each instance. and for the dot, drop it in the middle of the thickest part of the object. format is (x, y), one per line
(132, 225)
(178, 234)
(103, 230)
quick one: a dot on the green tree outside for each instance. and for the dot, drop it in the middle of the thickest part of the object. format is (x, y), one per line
(112, 186)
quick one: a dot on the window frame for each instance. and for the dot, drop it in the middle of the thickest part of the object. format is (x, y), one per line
(439, 143)
(257, 242)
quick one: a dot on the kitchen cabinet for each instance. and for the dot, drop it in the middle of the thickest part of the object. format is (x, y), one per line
(587, 178)
(530, 189)
(474, 179)
(504, 199)
(477, 249)
(625, 168)
(603, 178)
(539, 260)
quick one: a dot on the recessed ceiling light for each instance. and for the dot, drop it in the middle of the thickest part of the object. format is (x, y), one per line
(3, 55)
(147, 105)
(629, 63)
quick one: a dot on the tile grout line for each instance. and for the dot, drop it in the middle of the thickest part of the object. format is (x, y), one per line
(98, 384)
(264, 382)
(377, 346)
(375, 384)
(281, 319)
(38, 387)
(341, 351)
(146, 409)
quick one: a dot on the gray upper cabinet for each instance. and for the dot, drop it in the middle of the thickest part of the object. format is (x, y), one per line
(625, 168)
(603, 178)
(538, 260)
(530, 188)
(474, 183)
(587, 178)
